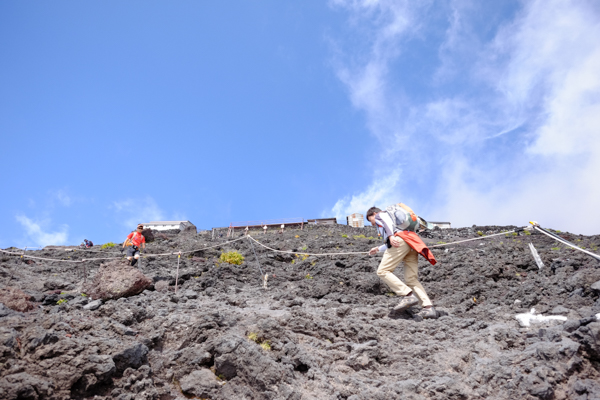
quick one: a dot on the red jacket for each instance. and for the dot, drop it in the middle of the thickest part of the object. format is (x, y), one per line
(415, 242)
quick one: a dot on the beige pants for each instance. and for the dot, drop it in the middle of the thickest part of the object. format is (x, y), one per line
(391, 259)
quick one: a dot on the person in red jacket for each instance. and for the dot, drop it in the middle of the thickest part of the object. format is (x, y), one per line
(133, 242)
(396, 251)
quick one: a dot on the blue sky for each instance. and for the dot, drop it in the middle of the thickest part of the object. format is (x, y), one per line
(114, 113)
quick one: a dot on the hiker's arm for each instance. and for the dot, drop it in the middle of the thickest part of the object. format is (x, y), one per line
(128, 237)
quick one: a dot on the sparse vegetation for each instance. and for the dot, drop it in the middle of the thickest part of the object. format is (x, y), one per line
(84, 295)
(107, 245)
(480, 233)
(344, 235)
(231, 257)
(265, 344)
(309, 276)
(555, 248)
(359, 237)
(61, 301)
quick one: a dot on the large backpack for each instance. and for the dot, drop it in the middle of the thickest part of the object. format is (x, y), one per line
(403, 217)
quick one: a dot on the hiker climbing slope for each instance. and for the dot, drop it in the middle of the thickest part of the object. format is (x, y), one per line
(397, 250)
(133, 242)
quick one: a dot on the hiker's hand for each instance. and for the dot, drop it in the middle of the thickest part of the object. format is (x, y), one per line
(395, 241)
(374, 251)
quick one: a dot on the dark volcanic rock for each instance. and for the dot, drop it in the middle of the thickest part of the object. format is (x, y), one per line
(116, 279)
(323, 328)
(148, 235)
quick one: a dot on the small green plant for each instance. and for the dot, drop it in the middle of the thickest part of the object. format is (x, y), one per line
(63, 293)
(480, 233)
(308, 276)
(344, 235)
(107, 245)
(84, 295)
(441, 242)
(266, 345)
(61, 301)
(304, 248)
(527, 233)
(313, 263)
(360, 237)
(231, 257)
(555, 248)
(370, 238)
(515, 234)
(301, 256)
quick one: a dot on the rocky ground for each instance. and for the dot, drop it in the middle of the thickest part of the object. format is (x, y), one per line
(323, 328)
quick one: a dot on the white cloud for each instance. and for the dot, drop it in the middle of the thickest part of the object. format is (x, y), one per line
(39, 236)
(137, 211)
(380, 193)
(513, 134)
(63, 198)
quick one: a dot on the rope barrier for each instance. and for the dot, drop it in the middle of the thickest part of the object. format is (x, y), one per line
(559, 239)
(179, 253)
(468, 240)
(116, 258)
(310, 254)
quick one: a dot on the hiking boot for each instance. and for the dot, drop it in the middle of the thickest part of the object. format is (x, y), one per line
(406, 302)
(428, 313)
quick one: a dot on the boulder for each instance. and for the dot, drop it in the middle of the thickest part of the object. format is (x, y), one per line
(147, 233)
(199, 383)
(16, 299)
(189, 230)
(130, 357)
(116, 279)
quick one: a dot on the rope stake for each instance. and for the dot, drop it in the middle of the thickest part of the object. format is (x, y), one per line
(177, 275)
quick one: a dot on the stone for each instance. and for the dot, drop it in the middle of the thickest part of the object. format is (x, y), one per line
(199, 383)
(596, 286)
(16, 299)
(161, 286)
(116, 279)
(93, 305)
(133, 356)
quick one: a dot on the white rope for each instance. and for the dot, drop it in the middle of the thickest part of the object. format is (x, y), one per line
(468, 240)
(116, 258)
(596, 256)
(38, 258)
(309, 254)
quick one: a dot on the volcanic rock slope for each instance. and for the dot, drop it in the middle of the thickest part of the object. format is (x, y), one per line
(323, 328)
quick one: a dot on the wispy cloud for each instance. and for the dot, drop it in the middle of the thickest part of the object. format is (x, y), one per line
(380, 192)
(509, 127)
(40, 237)
(135, 211)
(63, 198)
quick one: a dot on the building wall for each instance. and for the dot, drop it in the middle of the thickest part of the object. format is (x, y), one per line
(356, 220)
(164, 227)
